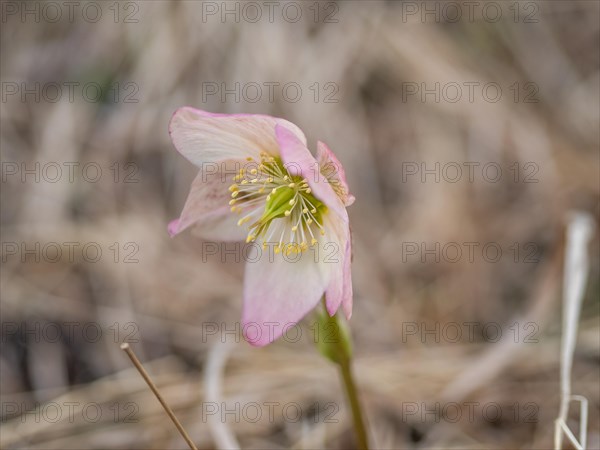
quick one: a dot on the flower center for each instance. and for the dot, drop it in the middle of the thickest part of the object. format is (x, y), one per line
(278, 207)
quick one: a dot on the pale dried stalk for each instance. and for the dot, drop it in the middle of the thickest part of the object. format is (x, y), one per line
(579, 232)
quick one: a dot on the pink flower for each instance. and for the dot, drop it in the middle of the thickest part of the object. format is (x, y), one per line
(259, 182)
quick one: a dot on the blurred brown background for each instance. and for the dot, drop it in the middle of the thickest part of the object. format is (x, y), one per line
(469, 134)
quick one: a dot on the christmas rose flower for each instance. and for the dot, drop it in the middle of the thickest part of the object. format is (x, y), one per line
(259, 182)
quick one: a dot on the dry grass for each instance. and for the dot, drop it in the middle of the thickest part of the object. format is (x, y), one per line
(170, 294)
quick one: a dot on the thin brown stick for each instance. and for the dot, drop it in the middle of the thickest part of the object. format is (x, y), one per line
(138, 365)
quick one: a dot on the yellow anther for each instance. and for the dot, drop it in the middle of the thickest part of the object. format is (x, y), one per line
(249, 158)
(308, 191)
(254, 171)
(254, 180)
(292, 201)
(295, 228)
(234, 194)
(309, 221)
(322, 232)
(244, 181)
(270, 179)
(233, 187)
(305, 210)
(314, 210)
(287, 213)
(313, 241)
(250, 238)
(232, 201)
(285, 178)
(243, 221)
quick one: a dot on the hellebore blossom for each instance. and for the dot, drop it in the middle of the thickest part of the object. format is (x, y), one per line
(259, 182)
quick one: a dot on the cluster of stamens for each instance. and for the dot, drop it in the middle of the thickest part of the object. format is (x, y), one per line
(279, 208)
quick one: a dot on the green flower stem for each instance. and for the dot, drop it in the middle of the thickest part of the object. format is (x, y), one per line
(335, 344)
(352, 392)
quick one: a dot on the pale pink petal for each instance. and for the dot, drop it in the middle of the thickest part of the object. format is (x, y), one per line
(348, 291)
(299, 161)
(208, 138)
(337, 236)
(173, 227)
(279, 293)
(219, 228)
(207, 207)
(333, 168)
